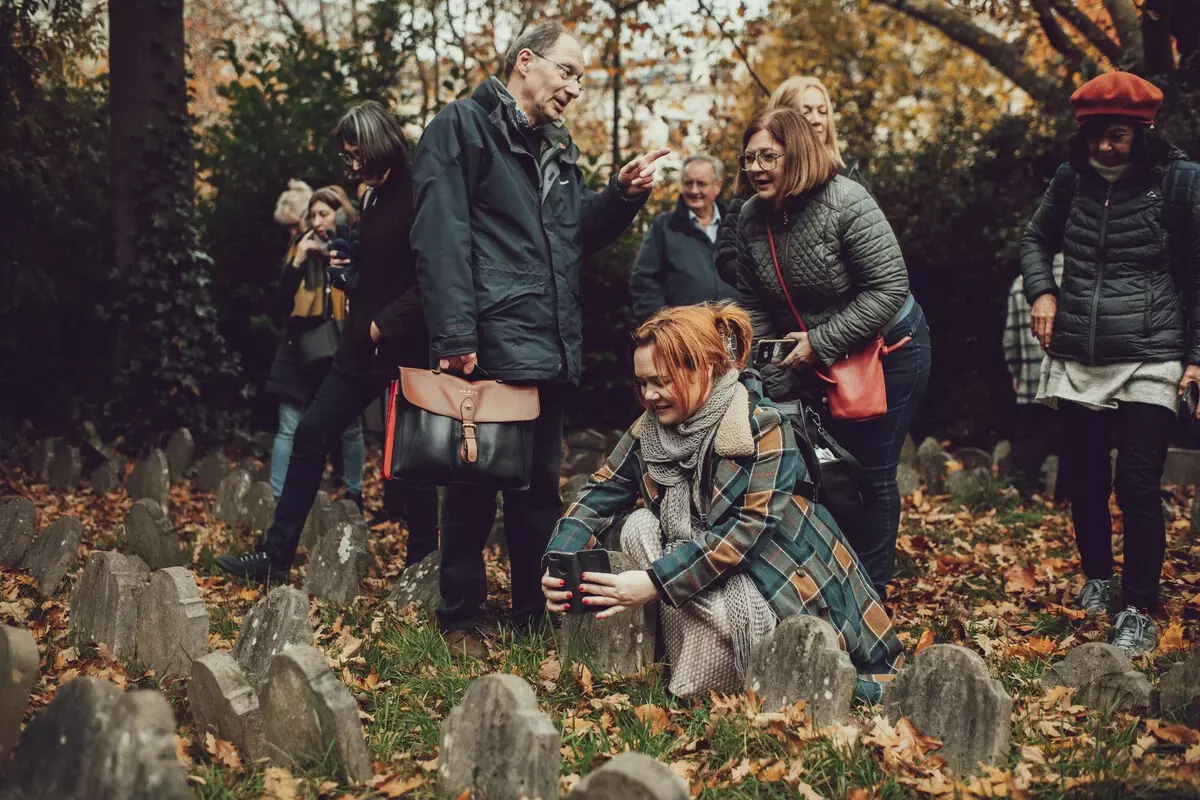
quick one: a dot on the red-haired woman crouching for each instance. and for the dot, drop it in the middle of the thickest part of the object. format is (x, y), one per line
(722, 540)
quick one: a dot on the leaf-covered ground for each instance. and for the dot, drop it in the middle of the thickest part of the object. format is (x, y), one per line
(980, 571)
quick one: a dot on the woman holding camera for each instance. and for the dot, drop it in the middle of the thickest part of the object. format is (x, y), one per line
(722, 541)
(304, 290)
(821, 267)
(1122, 334)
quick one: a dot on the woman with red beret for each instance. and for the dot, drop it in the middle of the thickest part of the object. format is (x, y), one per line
(1122, 333)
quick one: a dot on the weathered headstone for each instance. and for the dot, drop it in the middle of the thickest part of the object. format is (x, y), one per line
(340, 559)
(41, 459)
(1002, 457)
(1194, 515)
(53, 553)
(180, 450)
(1180, 689)
(172, 627)
(907, 479)
(908, 451)
(151, 477)
(106, 477)
(802, 660)
(263, 442)
(973, 458)
(260, 506)
(212, 470)
(317, 521)
(104, 604)
(308, 713)
(1050, 475)
(18, 671)
(933, 463)
(620, 645)
(631, 776)
(947, 693)
(277, 622)
(418, 583)
(1104, 677)
(498, 708)
(585, 452)
(223, 700)
(18, 528)
(150, 535)
(67, 469)
(230, 504)
(92, 741)
(963, 481)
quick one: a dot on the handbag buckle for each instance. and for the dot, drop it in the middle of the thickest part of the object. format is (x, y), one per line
(469, 451)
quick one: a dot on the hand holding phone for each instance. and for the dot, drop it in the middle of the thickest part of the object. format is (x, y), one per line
(772, 351)
(569, 567)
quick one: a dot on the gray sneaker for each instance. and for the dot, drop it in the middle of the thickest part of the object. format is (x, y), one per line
(1134, 632)
(1093, 597)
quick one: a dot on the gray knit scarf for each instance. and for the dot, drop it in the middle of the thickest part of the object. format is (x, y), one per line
(676, 457)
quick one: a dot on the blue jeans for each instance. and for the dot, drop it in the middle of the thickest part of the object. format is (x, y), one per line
(354, 449)
(876, 443)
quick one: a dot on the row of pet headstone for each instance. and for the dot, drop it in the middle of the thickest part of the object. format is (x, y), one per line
(47, 556)
(960, 470)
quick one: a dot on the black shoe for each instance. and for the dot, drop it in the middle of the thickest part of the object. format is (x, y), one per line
(254, 567)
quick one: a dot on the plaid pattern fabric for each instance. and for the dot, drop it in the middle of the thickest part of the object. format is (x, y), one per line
(1022, 352)
(792, 549)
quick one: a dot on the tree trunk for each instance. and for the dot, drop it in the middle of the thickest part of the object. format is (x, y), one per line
(150, 137)
(618, 11)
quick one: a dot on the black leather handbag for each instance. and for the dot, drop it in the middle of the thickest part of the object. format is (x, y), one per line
(317, 346)
(445, 430)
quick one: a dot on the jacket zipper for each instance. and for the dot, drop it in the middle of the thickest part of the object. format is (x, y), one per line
(1099, 275)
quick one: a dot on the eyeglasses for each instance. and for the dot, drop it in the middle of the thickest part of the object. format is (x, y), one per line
(568, 74)
(766, 160)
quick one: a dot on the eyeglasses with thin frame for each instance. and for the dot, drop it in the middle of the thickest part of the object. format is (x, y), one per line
(767, 160)
(568, 74)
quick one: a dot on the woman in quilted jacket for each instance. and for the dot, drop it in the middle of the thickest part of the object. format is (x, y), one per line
(819, 264)
(1122, 334)
(721, 541)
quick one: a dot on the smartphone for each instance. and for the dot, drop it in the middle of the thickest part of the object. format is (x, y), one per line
(570, 568)
(772, 351)
(1191, 400)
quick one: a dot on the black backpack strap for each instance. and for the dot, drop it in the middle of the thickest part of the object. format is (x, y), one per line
(1178, 184)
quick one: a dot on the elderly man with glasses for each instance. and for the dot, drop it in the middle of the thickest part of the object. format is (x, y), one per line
(503, 220)
(676, 265)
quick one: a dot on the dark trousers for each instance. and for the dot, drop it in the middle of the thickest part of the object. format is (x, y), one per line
(417, 506)
(1035, 435)
(877, 443)
(529, 518)
(341, 399)
(1141, 433)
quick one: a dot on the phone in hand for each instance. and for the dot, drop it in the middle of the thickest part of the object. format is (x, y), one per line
(570, 568)
(772, 351)
(1190, 400)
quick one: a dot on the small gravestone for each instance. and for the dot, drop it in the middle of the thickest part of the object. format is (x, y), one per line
(908, 451)
(498, 716)
(308, 713)
(230, 504)
(104, 604)
(973, 458)
(962, 482)
(212, 470)
(151, 477)
(802, 660)
(1050, 475)
(18, 671)
(277, 622)
(150, 535)
(1193, 515)
(317, 520)
(619, 645)
(419, 583)
(172, 629)
(1002, 458)
(105, 478)
(933, 462)
(260, 506)
(41, 459)
(908, 480)
(1180, 689)
(947, 693)
(18, 528)
(340, 559)
(263, 442)
(92, 741)
(631, 776)
(67, 469)
(1104, 677)
(223, 700)
(573, 488)
(54, 552)
(180, 450)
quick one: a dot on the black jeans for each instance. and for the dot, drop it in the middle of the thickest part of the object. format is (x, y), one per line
(877, 443)
(341, 399)
(529, 518)
(1141, 433)
(1035, 436)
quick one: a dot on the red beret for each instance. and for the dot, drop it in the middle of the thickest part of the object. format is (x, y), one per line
(1117, 94)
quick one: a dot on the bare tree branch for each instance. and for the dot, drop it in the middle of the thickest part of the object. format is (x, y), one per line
(282, 7)
(1129, 31)
(737, 48)
(1156, 37)
(1059, 39)
(1005, 57)
(1095, 35)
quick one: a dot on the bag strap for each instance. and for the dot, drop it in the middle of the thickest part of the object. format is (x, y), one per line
(782, 283)
(1177, 207)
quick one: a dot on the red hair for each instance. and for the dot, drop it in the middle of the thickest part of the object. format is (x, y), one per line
(694, 343)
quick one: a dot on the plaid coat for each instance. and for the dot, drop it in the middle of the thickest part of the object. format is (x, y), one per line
(791, 548)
